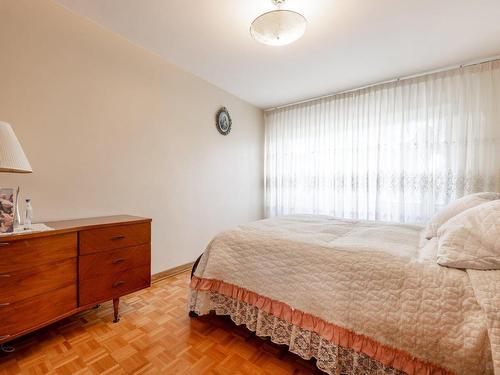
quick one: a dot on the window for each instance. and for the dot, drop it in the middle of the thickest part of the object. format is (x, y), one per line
(393, 152)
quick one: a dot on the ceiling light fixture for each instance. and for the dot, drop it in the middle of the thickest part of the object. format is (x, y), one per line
(278, 27)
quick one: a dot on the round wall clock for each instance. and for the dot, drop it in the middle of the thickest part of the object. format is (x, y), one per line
(223, 121)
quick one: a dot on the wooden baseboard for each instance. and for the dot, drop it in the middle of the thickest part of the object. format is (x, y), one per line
(171, 272)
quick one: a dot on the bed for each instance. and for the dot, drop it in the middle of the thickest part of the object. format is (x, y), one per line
(360, 297)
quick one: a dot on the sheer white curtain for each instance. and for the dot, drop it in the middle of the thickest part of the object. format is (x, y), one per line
(392, 152)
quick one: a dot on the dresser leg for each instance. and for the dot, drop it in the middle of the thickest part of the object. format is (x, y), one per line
(116, 304)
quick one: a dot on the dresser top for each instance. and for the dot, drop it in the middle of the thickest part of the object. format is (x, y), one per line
(75, 225)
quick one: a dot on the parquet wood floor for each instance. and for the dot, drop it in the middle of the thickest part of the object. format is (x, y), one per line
(154, 336)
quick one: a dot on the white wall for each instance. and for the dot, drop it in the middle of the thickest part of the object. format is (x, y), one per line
(110, 128)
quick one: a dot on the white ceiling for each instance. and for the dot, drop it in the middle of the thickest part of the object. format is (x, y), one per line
(348, 43)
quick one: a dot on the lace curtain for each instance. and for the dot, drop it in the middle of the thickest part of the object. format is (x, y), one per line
(392, 152)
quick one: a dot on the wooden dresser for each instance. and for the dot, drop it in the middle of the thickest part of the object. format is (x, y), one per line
(47, 276)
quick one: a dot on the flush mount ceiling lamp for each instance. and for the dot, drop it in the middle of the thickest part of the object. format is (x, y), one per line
(278, 27)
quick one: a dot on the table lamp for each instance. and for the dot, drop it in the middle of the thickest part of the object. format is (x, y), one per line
(12, 159)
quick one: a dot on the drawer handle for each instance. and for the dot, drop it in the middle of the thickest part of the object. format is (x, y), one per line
(118, 261)
(4, 275)
(2, 244)
(4, 304)
(4, 337)
(118, 283)
(116, 238)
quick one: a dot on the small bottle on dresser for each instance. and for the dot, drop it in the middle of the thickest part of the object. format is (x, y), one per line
(29, 215)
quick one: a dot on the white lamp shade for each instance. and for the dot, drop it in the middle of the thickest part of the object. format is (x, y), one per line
(12, 157)
(278, 27)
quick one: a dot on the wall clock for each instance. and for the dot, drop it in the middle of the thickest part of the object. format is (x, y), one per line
(223, 121)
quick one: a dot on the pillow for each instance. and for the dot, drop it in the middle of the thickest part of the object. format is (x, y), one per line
(472, 239)
(428, 251)
(456, 207)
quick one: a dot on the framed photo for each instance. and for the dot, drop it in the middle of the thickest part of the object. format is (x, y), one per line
(7, 208)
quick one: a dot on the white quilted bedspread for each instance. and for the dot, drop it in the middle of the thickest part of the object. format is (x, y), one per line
(365, 277)
(487, 288)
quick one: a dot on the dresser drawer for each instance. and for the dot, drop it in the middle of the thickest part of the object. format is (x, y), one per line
(114, 285)
(35, 311)
(30, 282)
(114, 261)
(115, 237)
(20, 254)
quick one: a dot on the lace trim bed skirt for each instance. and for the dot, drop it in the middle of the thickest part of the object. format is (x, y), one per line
(330, 358)
(365, 351)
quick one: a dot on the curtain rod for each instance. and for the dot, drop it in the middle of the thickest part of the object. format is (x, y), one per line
(451, 67)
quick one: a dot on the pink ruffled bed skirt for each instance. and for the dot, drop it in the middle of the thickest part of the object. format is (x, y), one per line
(334, 334)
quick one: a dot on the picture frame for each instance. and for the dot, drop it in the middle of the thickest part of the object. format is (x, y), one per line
(7, 210)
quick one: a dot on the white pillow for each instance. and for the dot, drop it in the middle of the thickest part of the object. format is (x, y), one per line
(456, 207)
(428, 251)
(471, 239)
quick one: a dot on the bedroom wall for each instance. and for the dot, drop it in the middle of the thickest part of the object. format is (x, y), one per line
(110, 128)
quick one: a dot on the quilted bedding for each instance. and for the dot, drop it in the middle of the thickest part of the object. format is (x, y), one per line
(361, 285)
